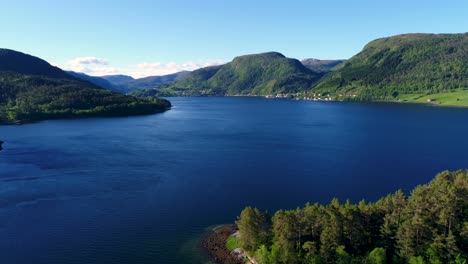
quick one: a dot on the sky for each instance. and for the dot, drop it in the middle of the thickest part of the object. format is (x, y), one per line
(144, 38)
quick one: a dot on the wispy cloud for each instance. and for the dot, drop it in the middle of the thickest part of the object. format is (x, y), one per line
(88, 61)
(98, 67)
(159, 68)
(91, 66)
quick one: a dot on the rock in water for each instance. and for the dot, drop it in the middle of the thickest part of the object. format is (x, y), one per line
(1, 143)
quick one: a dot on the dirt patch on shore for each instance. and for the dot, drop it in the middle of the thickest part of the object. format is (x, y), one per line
(215, 244)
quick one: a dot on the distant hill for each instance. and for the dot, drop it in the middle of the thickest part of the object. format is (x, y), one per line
(101, 82)
(321, 66)
(391, 68)
(152, 81)
(31, 89)
(126, 84)
(257, 74)
(118, 79)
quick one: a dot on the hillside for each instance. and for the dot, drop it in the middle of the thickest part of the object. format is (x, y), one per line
(257, 74)
(321, 66)
(152, 81)
(101, 82)
(118, 78)
(14, 61)
(31, 89)
(411, 64)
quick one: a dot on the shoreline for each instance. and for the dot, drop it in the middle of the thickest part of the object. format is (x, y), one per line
(214, 244)
(76, 117)
(334, 100)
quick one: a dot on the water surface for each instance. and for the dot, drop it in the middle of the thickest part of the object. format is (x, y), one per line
(141, 189)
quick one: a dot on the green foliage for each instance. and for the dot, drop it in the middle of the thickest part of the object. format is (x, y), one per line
(321, 66)
(255, 225)
(31, 89)
(263, 256)
(259, 74)
(403, 64)
(429, 226)
(342, 257)
(377, 256)
(460, 260)
(411, 67)
(26, 98)
(232, 243)
(416, 260)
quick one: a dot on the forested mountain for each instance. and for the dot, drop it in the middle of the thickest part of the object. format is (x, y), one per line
(127, 84)
(191, 83)
(151, 81)
(429, 226)
(14, 61)
(31, 89)
(403, 64)
(101, 82)
(321, 66)
(410, 67)
(257, 74)
(118, 78)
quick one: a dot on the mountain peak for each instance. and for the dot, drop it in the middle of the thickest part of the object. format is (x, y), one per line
(266, 55)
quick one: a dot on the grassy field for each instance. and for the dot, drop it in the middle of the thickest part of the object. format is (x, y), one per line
(232, 243)
(457, 98)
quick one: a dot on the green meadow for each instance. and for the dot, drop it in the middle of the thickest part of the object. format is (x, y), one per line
(456, 98)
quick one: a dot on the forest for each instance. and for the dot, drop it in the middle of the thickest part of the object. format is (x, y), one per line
(430, 225)
(404, 64)
(25, 98)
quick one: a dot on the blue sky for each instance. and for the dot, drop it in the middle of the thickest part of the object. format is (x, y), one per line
(143, 38)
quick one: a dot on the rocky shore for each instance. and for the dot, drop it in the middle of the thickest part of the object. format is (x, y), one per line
(215, 244)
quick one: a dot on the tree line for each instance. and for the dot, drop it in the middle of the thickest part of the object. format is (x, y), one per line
(29, 98)
(428, 226)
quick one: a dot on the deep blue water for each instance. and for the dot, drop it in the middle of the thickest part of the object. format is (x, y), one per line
(141, 189)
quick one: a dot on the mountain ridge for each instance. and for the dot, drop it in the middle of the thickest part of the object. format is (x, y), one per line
(403, 64)
(254, 74)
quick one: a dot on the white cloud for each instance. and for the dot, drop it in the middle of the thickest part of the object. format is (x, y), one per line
(159, 68)
(88, 61)
(98, 67)
(91, 66)
(97, 71)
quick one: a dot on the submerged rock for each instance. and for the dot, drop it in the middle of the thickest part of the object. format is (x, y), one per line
(1, 143)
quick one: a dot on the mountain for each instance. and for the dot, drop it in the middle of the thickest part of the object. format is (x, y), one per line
(257, 74)
(21, 63)
(126, 84)
(398, 67)
(321, 66)
(31, 89)
(118, 79)
(152, 81)
(101, 82)
(198, 77)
